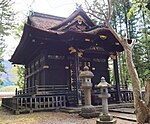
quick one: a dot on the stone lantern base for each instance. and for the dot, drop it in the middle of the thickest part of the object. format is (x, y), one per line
(89, 112)
(105, 119)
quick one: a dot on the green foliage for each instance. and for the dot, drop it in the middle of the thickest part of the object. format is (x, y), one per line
(2, 46)
(1, 82)
(122, 25)
(20, 69)
(6, 24)
(6, 17)
(134, 20)
(17, 31)
(20, 73)
(137, 6)
(141, 51)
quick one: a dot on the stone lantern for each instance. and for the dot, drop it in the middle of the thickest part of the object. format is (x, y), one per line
(87, 110)
(104, 117)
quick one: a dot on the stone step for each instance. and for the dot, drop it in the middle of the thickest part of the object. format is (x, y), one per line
(124, 116)
(99, 108)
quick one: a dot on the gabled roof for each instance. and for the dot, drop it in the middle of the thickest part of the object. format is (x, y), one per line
(54, 32)
(77, 21)
(43, 21)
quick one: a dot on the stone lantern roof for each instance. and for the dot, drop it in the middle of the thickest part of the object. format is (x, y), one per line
(103, 84)
(86, 73)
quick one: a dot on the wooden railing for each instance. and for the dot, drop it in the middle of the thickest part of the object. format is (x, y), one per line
(30, 104)
(30, 90)
(122, 87)
(126, 96)
(42, 89)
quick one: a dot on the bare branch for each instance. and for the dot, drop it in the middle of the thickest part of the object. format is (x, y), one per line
(128, 45)
(103, 13)
(95, 16)
(106, 18)
(109, 10)
(133, 43)
(93, 12)
(87, 5)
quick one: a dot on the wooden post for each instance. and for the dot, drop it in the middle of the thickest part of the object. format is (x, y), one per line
(56, 101)
(76, 63)
(16, 92)
(53, 101)
(31, 109)
(17, 106)
(64, 101)
(46, 70)
(35, 102)
(36, 89)
(44, 102)
(116, 74)
(48, 102)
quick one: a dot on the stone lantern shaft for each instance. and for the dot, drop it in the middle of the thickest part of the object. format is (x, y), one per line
(105, 106)
(105, 117)
(87, 94)
(87, 110)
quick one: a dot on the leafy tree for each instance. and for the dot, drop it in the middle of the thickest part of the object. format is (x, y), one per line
(20, 73)
(6, 23)
(135, 22)
(20, 68)
(141, 50)
(121, 25)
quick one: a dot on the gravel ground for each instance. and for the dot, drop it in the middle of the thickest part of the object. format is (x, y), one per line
(48, 118)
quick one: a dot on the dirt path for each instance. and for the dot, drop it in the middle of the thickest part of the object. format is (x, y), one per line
(48, 118)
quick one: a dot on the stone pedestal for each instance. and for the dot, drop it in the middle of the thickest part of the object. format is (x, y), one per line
(105, 119)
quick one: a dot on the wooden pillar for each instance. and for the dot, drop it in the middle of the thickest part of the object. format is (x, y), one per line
(76, 64)
(46, 67)
(108, 73)
(25, 78)
(116, 74)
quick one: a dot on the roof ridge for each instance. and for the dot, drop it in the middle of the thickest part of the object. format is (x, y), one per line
(43, 15)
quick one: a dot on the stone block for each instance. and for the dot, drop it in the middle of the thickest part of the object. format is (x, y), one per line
(89, 112)
(105, 119)
(106, 122)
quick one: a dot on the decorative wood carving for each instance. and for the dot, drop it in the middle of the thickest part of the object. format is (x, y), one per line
(77, 24)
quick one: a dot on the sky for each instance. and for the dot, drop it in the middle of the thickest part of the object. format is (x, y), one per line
(62, 8)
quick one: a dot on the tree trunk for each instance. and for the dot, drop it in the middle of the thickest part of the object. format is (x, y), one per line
(147, 92)
(141, 110)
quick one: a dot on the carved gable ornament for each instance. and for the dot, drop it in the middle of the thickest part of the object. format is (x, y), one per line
(77, 24)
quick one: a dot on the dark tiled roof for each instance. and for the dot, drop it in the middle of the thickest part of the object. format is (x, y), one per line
(44, 21)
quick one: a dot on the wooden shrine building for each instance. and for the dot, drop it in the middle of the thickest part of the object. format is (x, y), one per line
(54, 50)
